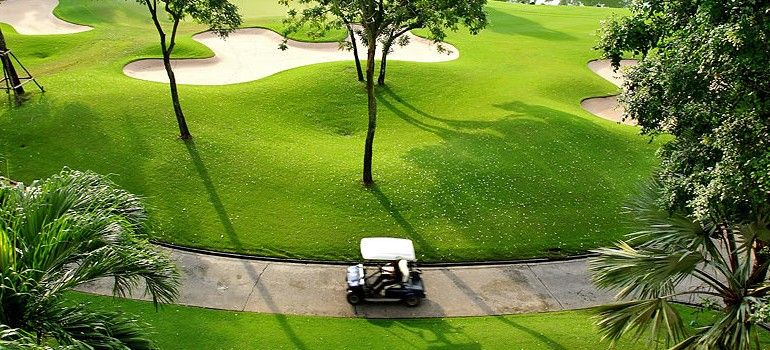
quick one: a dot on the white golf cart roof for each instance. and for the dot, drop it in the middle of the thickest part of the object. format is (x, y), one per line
(386, 248)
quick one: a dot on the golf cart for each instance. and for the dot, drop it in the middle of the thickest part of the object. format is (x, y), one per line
(387, 273)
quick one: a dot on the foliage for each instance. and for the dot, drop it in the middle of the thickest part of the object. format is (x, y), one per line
(435, 16)
(384, 21)
(220, 16)
(396, 18)
(64, 231)
(658, 265)
(705, 80)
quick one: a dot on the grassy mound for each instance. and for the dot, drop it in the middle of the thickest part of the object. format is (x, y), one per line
(486, 157)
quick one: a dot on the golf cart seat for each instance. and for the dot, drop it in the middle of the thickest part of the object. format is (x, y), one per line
(403, 267)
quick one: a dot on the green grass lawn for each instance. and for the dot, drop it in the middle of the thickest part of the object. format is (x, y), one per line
(486, 157)
(180, 327)
(600, 3)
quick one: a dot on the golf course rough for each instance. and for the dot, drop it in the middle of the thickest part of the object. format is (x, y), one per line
(485, 157)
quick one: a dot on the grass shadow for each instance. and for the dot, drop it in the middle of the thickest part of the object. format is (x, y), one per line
(503, 22)
(214, 199)
(436, 333)
(468, 291)
(527, 163)
(542, 338)
(393, 211)
(229, 229)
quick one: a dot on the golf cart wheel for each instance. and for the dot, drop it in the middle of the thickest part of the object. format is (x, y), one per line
(354, 299)
(412, 301)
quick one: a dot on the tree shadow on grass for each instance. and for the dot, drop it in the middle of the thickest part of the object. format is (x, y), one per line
(542, 338)
(396, 215)
(505, 23)
(41, 137)
(489, 310)
(216, 202)
(436, 333)
(229, 229)
(527, 171)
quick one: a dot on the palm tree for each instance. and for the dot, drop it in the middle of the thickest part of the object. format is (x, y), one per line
(64, 231)
(658, 264)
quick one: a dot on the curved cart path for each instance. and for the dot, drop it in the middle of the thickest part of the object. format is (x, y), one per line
(252, 53)
(35, 17)
(608, 107)
(312, 289)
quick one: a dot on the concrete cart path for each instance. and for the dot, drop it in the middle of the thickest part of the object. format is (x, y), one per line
(311, 289)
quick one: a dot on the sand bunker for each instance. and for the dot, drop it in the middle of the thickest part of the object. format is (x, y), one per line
(608, 107)
(251, 54)
(35, 17)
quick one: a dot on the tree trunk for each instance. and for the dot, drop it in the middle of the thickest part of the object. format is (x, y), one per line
(760, 264)
(371, 53)
(184, 132)
(8, 67)
(166, 50)
(355, 51)
(384, 62)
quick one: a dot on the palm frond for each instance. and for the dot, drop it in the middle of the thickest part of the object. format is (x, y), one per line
(733, 330)
(654, 317)
(79, 326)
(643, 273)
(654, 261)
(69, 229)
(17, 339)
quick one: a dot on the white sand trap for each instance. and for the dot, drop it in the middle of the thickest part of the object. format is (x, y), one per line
(252, 53)
(608, 107)
(35, 17)
(605, 70)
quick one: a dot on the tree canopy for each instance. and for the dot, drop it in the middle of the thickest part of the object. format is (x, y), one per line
(395, 18)
(673, 257)
(704, 78)
(434, 15)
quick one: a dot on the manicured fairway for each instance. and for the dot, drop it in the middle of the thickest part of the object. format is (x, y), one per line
(486, 157)
(179, 327)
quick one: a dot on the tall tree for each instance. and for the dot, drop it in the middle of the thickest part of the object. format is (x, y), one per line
(435, 15)
(372, 16)
(7, 65)
(220, 15)
(704, 79)
(319, 16)
(382, 21)
(62, 232)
